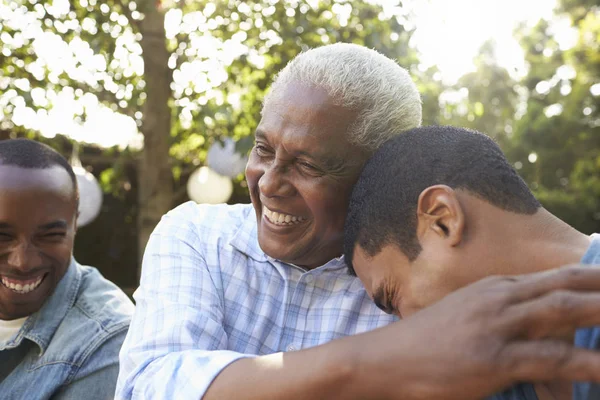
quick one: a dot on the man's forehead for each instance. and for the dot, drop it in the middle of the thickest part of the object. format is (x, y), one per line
(296, 102)
(54, 178)
(300, 95)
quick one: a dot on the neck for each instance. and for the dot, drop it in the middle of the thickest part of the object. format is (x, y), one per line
(542, 242)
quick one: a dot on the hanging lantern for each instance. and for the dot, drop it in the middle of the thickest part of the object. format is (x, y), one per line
(90, 196)
(207, 186)
(90, 193)
(224, 160)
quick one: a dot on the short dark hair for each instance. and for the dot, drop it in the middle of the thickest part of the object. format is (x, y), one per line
(25, 153)
(383, 204)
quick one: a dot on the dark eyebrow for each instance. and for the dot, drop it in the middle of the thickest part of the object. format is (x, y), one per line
(54, 225)
(4, 225)
(260, 134)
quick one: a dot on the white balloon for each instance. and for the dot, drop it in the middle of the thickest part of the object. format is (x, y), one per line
(207, 186)
(90, 196)
(225, 160)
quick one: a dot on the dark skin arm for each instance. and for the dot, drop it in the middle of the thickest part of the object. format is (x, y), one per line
(473, 343)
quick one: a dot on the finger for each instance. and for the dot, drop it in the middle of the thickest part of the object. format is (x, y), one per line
(554, 314)
(545, 360)
(573, 277)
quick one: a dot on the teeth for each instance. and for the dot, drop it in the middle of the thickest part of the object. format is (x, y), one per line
(19, 288)
(282, 219)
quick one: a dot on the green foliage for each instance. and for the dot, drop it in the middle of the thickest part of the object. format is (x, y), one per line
(273, 33)
(225, 53)
(485, 100)
(547, 122)
(224, 56)
(561, 124)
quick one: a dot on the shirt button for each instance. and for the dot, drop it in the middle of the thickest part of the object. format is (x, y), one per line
(291, 347)
(309, 279)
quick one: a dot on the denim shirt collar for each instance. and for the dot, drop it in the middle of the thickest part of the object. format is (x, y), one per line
(41, 325)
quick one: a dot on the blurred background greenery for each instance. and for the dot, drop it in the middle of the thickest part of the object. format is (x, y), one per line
(147, 86)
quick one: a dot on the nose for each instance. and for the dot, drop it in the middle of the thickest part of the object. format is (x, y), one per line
(274, 182)
(24, 256)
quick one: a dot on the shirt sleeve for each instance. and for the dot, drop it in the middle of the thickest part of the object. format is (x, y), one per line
(176, 343)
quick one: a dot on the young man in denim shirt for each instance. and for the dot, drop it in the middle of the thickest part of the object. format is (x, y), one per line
(438, 208)
(61, 324)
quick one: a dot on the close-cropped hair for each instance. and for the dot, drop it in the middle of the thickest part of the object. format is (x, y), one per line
(383, 205)
(25, 153)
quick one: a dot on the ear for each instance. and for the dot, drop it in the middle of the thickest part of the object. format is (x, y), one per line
(439, 210)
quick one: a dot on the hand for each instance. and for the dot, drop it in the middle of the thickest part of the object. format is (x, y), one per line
(490, 335)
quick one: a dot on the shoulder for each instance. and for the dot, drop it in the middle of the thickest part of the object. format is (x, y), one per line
(100, 301)
(97, 321)
(590, 337)
(100, 312)
(193, 222)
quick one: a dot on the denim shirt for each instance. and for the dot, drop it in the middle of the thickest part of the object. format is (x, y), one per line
(69, 349)
(588, 338)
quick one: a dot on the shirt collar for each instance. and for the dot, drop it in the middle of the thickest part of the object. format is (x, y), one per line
(592, 255)
(40, 326)
(245, 239)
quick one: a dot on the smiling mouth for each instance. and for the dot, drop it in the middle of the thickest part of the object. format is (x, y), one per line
(278, 218)
(21, 286)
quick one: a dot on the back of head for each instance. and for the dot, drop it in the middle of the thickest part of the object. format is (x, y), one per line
(384, 201)
(25, 153)
(382, 93)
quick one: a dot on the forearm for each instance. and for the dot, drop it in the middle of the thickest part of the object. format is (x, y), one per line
(331, 371)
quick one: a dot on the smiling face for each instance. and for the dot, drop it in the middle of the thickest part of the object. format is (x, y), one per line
(300, 175)
(38, 210)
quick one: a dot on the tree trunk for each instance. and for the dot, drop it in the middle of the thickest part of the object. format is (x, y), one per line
(154, 172)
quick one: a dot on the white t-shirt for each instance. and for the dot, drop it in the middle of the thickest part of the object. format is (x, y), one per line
(9, 329)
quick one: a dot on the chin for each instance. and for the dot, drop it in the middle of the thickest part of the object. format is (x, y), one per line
(274, 248)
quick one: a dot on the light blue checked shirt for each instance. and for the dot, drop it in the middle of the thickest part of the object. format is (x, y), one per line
(209, 296)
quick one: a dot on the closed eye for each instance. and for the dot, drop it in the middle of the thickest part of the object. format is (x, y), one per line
(54, 236)
(386, 309)
(309, 169)
(308, 166)
(5, 236)
(261, 150)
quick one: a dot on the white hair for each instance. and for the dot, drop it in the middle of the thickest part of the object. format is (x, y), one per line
(382, 93)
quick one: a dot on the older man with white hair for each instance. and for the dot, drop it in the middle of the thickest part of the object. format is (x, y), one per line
(250, 301)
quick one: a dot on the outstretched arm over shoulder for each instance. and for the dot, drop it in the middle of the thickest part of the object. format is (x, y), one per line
(474, 343)
(471, 344)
